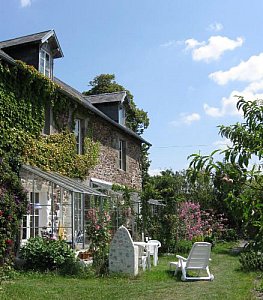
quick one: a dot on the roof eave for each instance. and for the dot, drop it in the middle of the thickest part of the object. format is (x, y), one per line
(91, 107)
(7, 58)
(50, 34)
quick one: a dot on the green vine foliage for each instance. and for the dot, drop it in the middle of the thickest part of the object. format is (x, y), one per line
(57, 152)
(25, 95)
(13, 203)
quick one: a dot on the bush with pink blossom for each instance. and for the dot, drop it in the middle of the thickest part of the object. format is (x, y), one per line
(189, 221)
(99, 235)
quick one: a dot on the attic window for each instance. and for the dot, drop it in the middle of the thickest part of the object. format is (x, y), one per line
(45, 63)
(122, 115)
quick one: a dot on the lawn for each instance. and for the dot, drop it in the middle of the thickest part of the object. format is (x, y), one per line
(159, 283)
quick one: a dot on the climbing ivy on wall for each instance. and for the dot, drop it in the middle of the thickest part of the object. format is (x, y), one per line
(57, 152)
(24, 96)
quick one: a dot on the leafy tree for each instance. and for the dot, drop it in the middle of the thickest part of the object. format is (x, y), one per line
(243, 185)
(172, 188)
(137, 119)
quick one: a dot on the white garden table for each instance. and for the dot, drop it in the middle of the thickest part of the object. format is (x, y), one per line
(152, 248)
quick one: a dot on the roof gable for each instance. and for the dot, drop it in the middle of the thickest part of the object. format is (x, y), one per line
(71, 92)
(40, 38)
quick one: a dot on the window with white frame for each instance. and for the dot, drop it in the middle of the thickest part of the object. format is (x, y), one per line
(30, 222)
(122, 115)
(45, 63)
(122, 155)
(77, 132)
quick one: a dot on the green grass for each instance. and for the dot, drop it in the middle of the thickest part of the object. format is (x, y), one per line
(159, 283)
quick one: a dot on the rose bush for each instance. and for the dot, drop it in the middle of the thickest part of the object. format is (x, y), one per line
(13, 203)
(98, 231)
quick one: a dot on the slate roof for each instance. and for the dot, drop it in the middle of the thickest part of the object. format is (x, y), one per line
(63, 181)
(39, 37)
(69, 91)
(6, 57)
(107, 97)
(86, 101)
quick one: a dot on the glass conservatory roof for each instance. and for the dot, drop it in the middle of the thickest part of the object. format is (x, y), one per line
(65, 182)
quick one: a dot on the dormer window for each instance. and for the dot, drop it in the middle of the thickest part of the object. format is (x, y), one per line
(45, 63)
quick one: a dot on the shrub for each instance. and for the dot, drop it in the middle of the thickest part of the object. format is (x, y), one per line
(190, 222)
(77, 269)
(46, 254)
(98, 231)
(184, 246)
(13, 203)
(215, 227)
(251, 260)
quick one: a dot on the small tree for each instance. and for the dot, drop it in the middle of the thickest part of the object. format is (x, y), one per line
(242, 185)
(137, 119)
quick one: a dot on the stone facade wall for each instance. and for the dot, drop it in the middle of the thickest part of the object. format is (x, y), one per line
(108, 167)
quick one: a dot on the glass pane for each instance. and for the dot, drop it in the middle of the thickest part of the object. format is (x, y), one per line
(42, 54)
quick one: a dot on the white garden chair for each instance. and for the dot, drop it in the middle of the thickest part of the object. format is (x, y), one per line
(153, 246)
(143, 257)
(197, 260)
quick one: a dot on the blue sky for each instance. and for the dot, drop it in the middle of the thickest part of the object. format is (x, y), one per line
(183, 60)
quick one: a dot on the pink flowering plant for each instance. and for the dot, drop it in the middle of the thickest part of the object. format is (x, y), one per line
(98, 232)
(215, 225)
(190, 222)
(13, 202)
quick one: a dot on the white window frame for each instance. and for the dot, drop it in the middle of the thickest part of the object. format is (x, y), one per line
(46, 70)
(122, 155)
(77, 132)
(122, 115)
(31, 219)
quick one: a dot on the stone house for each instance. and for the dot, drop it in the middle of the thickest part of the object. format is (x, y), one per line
(120, 147)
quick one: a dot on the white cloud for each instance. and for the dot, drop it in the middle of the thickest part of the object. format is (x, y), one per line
(25, 3)
(192, 43)
(216, 27)
(228, 104)
(223, 144)
(154, 172)
(250, 70)
(213, 49)
(187, 119)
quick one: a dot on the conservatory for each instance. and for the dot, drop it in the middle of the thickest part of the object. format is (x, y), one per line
(57, 206)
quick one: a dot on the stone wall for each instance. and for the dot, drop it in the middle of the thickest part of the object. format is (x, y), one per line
(108, 166)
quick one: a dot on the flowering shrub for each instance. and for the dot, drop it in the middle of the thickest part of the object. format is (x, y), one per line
(13, 202)
(98, 231)
(190, 222)
(214, 225)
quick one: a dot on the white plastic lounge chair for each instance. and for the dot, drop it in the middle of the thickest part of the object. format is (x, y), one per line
(197, 260)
